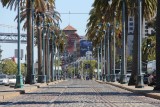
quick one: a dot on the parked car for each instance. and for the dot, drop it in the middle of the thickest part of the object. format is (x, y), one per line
(145, 78)
(128, 76)
(12, 80)
(152, 79)
(151, 66)
(4, 80)
(87, 77)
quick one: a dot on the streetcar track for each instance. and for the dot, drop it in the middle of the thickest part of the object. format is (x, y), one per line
(103, 99)
(80, 93)
(51, 103)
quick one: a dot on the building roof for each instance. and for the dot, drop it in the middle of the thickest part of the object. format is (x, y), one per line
(69, 27)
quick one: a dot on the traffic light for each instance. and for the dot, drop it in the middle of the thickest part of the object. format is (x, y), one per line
(148, 42)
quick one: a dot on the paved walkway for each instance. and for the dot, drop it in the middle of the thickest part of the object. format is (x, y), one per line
(147, 90)
(7, 92)
(80, 93)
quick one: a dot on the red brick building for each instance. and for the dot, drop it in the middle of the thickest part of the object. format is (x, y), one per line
(72, 38)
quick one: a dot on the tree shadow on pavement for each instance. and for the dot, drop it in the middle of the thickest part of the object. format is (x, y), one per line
(23, 103)
(86, 93)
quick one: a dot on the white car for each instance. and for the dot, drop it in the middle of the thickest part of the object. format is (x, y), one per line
(12, 80)
(4, 80)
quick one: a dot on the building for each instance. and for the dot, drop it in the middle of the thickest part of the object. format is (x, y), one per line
(72, 40)
(131, 24)
(130, 35)
(85, 46)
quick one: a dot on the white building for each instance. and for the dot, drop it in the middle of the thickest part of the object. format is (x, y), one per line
(145, 32)
(130, 35)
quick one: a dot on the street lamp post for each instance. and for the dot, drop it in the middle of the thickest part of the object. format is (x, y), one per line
(120, 65)
(91, 75)
(55, 67)
(112, 76)
(58, 63)
(19, 78)
(52, 69)
(74, 69)
(48, 53)
(101, 58)
(1, 60)
(98, 64)
(75, 51)
(139, 83)
(33, 81)
(123, 70)
(105, 59)
(113, 79)
(108, 53)
(42, 78)
(65, 57)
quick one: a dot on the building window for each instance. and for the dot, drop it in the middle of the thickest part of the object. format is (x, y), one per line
(131, 24)
(130, 33)
(130, 19)
(131, 28)
(146, 27)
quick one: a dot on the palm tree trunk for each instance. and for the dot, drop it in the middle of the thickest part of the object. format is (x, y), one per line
(29, 43)
(157, 87)
(46, 57)
(52, 71)
(52, 60)
(126, 30)
(132, 80)
(55, 63)
(40, 72)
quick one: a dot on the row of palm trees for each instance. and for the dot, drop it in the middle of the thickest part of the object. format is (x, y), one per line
(46, 20)
(103, 13)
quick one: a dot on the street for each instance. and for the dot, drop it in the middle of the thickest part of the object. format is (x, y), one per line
(81, 93)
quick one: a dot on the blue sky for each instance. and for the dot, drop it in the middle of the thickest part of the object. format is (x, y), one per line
(78, 21)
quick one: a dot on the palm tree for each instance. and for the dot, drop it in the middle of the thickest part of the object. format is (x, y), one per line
(99, 6)
(39, 42)
(41, 6)
(29, 41)
(101, 9)
(4, 2)
(11, 3)
(51, 17)
(157, 87)
(148, 52)
(149, 7)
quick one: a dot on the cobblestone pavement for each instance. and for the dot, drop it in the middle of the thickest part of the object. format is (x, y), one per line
(81, 93)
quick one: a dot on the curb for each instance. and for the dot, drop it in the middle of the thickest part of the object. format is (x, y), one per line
(151, 95)
(16, 92)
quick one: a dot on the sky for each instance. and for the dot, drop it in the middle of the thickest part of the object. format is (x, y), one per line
(78, 21)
